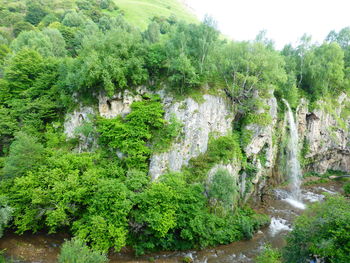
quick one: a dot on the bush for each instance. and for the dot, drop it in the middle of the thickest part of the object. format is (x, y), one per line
(132, 134)
(269, 255)
(25, 154)
(224, 149)
(223, 189)
(347, 189)
(323, 230)
(75, 251)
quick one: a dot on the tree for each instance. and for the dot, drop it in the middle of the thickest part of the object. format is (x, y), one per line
(57, 40)
(249, 68)
(74, 19)
(325, 70)
(48, 43)
(223, 189)
(35, 12)
(26, 153)
(188, 50)
(323, 231)
(183, 75)
(22, 71)
(22, 26)
(107, 63)
(152, 34)
(104, 224)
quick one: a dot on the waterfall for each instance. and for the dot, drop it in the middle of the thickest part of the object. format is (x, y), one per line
(293, 165)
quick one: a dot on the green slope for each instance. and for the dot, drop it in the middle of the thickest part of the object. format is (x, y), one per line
(140, 12)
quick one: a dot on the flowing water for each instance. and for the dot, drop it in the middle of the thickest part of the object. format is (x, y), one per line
(293, 165)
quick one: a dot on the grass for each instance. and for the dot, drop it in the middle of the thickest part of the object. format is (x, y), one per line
(140, 12)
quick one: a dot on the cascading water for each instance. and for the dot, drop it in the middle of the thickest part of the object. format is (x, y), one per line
(293, 165)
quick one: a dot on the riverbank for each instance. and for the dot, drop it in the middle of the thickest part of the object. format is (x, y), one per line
(44, 248)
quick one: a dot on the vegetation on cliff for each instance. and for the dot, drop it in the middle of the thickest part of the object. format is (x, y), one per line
(58, 55)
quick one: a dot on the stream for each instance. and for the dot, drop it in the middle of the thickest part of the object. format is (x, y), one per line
(43, 248)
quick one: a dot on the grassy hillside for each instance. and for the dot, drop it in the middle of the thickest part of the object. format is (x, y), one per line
(140, 12)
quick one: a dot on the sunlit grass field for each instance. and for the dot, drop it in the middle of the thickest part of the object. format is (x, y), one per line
(140, 12)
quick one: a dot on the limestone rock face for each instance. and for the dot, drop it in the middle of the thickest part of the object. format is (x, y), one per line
(262, 135)
(326, 136)
(261, 144)
(213, 116)
(119, 104)
(75, 119)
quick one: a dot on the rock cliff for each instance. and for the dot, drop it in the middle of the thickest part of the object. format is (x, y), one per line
(214, 115)
(324, 133)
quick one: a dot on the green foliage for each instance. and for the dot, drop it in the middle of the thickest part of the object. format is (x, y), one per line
(56, 192)
(221, 150)
(183, 221)
(66, 53)
(26, 153)
(346, 188)
(223, 189)
(163, 138)
(29, 98)
(74, 19)
(157, 208)
(262, 119)
(246, 68)
(325, 70)
(108, 63)
(75, 251)
(46, 43)
(130, 135)
(35, 12)
(104, 224)
(323, 230)
(189, 52)
(5, 215)
(269, 255)
(22, 71)
(136, 180)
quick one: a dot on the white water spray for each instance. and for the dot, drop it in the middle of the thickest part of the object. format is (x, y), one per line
(293, 165)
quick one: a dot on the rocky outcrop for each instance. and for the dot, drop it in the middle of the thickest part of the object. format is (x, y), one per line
(213, 116)
(119, 104)
(77, 119)
(324, 134)
(261, 146)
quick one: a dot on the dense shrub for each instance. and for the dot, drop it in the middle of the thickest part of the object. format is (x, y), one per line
(323, 230)
(144, 125)
(25, 154)
(347, 188)
(76, 251)
(224, 149)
